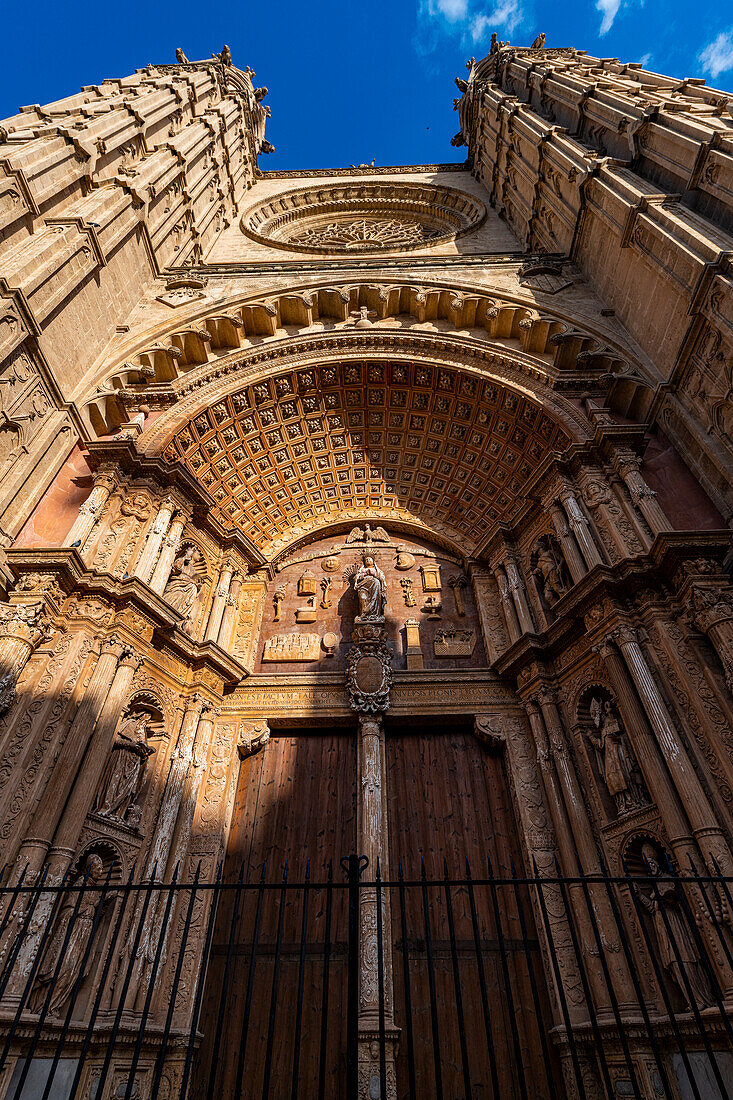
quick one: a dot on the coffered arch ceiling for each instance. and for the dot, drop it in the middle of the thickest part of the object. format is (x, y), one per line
(407, 439)
(427, 406)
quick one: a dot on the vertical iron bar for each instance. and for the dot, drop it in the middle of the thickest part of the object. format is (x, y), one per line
(661, 983)
(406, 982)
(710, 905)
(380, 988)
(160, 1059)
(28, 1055)
(597, 1040)
(102, 984)
(125, 986)
(25, 925)
(151, 983)
(250, 986)
(507, 983)
(216, 891)
(559, 986)
(224, 991)
(301, 983)
(712, 976)
(35, 967)
(9, 909)
(431, 985)
(457, 984)
(275, 985)
(607, 978)
(533, 985)
(353, 871)
(482, 985)
(76, 987)
(324, 991)
(636, 982)
(690, 994)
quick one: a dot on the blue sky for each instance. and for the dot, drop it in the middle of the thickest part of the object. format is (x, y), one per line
(348, 81)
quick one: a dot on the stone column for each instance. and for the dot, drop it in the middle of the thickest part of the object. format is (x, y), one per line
(580, 528)
(647, 752)
(219, 603)
(712, 613)
(229, 617)
(570, 550)
(146, 561)
(516, 587)
(69, 761)
(173, 836)
(92, 730)
(22, 628)
(373, 842)
(90, 773)
(507, 604)
(91, 509)
(586, 849)
(699, 811)
(163, 567)
(672, 782)
(600, 497)
(627, 464)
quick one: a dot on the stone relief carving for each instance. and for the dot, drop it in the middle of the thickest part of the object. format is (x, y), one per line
(678, 952)
(124, 774)
(22, 628)
(369, 667)
(370, 587)
(549, 571)
(61, 965)
(292, 647)
(616, 764)
(277, 599)
(186, 581)
(451, 642)
(406, 585)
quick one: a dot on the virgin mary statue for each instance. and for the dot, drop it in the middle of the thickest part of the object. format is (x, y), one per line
(371, 589)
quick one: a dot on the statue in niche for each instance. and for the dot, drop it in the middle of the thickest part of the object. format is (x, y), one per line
(664, 901)
(277, 600)
(70, 968)
(549, 571)
(123, 776)
(185, 583)
(370, 587)
(616, 764)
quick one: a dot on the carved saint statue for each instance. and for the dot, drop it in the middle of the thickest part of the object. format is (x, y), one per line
(371, 589)
(548, 572)
(664, 901)
(182, 589)
(76, 946)
(616, 765)
(125, 771)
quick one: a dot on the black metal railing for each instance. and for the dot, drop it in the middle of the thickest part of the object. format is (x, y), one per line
(470, 986)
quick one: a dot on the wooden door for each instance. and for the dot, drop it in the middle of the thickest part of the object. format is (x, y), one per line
(449, 801)
(294, 814)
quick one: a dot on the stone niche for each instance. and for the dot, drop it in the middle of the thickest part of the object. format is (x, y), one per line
(447, 638)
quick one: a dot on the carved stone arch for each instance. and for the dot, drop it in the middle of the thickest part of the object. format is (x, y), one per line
(111, 854)
(581, 704)
(630, 856)
(501, 321)
(145, 698)
(251, 437)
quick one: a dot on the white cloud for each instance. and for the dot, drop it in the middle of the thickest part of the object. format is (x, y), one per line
(645, 59)
(452, 10)
(506, 16)
(717, 57)
(609, 9)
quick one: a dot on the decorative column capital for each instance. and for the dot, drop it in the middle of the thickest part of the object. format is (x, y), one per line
(131, 659)
(625, 635)
(115, 646)
(604, 649)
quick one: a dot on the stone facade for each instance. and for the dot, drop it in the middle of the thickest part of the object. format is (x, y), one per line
(504, 384)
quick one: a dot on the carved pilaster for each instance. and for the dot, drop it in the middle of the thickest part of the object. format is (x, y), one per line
(627, 466)
(22, 628)
(92, 508)
(570, 550)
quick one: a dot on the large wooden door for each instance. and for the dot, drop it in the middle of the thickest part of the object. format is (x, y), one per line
(294, 814)
(449, 802)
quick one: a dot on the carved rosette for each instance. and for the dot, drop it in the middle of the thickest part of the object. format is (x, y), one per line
(369, 669)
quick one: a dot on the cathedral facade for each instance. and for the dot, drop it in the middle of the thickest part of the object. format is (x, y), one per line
(366, 635)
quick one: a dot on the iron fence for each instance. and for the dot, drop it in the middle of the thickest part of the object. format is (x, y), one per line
(501, 985)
